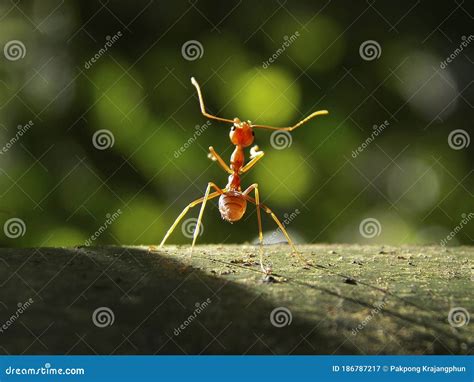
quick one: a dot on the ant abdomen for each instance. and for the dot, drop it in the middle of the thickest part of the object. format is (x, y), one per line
(232, 206)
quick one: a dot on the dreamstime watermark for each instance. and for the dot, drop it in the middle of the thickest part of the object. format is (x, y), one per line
(111, 40)
(466, 218)
(192, 50)
(281, 140)
(110, 218)
(189, 226)
(370, 227)
(280, 317)
(14, 228)
(45, 370)
(368, 318)
(287, 42)
(14, 50)
(200, 307)
(459, 139)
(370, 50)
(103, 316)
(199, 130)
(22, 129)
(288, 218)
(377, 130)
(458, 317)
(22, 307)
(466, 40)
(103, 139)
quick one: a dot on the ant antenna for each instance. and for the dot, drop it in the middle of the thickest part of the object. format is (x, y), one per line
(311, 116)
(203, 108)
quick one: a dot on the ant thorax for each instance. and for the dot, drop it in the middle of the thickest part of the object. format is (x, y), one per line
(237, 159)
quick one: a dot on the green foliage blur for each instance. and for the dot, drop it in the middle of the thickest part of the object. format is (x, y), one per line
(408, 178)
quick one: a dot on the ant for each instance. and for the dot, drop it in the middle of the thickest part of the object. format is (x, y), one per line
(232, 200)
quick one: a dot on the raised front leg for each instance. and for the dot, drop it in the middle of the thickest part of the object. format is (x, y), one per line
(255, 155)
(216, 157)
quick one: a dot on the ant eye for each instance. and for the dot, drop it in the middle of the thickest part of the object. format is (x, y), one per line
(253, 133)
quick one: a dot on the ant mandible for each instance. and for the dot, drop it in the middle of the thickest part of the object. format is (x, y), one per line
(232, 200)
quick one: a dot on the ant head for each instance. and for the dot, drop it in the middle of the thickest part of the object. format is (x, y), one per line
(241, 133)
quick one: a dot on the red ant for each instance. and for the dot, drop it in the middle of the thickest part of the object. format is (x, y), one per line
(232, 200)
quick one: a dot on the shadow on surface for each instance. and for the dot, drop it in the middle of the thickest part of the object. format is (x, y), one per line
(150, 296)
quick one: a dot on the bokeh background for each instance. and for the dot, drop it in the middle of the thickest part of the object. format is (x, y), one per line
(414, 180)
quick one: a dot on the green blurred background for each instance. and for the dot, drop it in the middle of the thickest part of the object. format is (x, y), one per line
(409, 178)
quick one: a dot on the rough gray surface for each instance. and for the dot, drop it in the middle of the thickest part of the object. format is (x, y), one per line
(351, 300)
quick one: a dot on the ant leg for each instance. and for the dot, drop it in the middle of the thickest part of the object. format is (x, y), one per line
(201, 212)
(181, 215)
(254, 187)
(311, 116)
(203, 108)
(255, 155)
(216, 157)
(282, 228)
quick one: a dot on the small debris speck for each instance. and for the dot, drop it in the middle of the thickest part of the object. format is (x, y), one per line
(350, 280)
(227, 272)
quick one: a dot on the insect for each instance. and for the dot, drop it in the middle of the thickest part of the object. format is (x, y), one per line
(232, 200)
